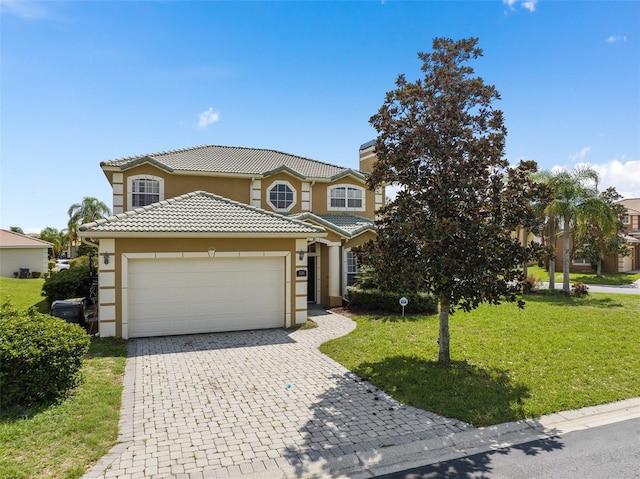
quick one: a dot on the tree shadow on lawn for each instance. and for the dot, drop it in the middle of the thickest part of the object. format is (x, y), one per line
(479, 396)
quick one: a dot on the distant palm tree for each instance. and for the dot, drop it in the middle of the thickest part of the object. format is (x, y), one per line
(59, 239)
(89, 210)
(575, 200)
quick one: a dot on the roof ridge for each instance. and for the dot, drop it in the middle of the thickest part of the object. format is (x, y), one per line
(199, 147)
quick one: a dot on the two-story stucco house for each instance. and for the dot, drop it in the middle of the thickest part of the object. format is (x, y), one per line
(216, 238)
(631, 222)
(614, 263)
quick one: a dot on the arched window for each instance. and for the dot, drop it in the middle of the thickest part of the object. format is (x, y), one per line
(346, 197)
(145, 190)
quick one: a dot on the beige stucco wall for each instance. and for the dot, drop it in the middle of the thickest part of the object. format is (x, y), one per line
(241, 189)
(12, 259)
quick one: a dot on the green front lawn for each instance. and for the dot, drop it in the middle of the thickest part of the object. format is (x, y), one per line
(63, 440)
(558, 353)
(607, 279)
(23, 293)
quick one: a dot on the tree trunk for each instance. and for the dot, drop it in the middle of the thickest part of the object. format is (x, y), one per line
(599, 268)
(566, 254)
(552, 258)
(444, 358)
(525, 266)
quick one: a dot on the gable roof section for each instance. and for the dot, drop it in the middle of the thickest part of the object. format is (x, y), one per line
(346, 225)
(9, 239)
(228, 159)
(632, 205)
(199, 214)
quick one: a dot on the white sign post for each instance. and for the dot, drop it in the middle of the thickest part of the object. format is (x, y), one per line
(403, 302)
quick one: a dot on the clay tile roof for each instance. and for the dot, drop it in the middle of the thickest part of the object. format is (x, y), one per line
(228, 159)
(9, 239)
(345, 224)
(200, 212)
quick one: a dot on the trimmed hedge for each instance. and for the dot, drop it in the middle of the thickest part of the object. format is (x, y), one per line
(40, 357)
(386, 301)
(71, 283)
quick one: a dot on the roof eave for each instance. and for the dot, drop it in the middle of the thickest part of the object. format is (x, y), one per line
(144, 234)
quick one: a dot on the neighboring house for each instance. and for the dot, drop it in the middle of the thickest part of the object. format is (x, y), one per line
(21, 252)
(631, 222)
(614, 263)
(216, 238)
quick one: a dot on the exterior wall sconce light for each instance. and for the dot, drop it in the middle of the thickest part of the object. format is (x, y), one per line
(301, 254)
(105, 258)
(212, 252)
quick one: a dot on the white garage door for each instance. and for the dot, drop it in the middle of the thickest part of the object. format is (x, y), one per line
(202, 295)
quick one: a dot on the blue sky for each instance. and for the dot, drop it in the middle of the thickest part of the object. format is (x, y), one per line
(83, 82)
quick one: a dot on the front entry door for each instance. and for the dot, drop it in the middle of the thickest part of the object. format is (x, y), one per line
(311, 279)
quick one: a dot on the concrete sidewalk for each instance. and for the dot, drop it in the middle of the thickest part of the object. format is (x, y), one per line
(267, 404)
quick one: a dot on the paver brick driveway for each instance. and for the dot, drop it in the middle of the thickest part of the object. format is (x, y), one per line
(214, 405)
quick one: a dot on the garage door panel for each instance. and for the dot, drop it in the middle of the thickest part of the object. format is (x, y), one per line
(183, 296)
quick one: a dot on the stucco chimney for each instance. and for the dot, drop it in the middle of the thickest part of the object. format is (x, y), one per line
(368, 156)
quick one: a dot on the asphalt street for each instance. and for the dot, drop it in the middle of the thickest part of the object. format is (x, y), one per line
(605, 452)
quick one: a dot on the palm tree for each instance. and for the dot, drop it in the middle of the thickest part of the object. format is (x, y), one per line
(600, 232)
(89, 210)
(575, 199)
(59, 239)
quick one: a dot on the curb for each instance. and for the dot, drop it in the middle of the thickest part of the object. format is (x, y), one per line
(379, 461)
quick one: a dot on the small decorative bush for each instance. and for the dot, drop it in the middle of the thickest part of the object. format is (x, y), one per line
(579, 290)
(385, 301)
(40, 357)
(72, 283)
(36, 274)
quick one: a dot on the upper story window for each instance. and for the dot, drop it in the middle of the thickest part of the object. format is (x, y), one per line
(626, 219)
(346, 197)
(281, 196)
(144, 190)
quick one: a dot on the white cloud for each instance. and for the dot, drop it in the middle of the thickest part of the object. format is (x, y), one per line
(24, 9)
(207, 118)
(579, 155)
(623, 175)
(526, 4)
(613, 39)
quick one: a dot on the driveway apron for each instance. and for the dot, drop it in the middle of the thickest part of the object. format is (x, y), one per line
(224, 404)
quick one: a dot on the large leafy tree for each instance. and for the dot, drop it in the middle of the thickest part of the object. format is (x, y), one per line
(600, 233)
(88, 210)
(451, 228)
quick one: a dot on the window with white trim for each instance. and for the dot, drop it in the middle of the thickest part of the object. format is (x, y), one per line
(346, 197)
(582, 261)
(352, 268)
(145, 190)
(626, 220)
(281, 196)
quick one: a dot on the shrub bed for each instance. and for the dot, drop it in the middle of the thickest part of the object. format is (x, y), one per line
(387, 301)
(40, 357)
(72, 283)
